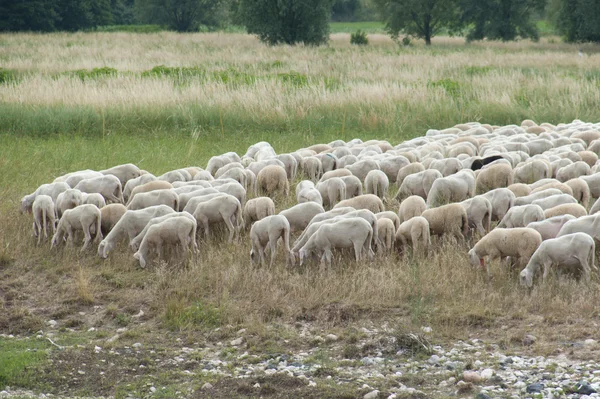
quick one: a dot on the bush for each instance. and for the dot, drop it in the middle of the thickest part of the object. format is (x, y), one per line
(359, 38)
(406, 41)
(6, 75)
(95, 73)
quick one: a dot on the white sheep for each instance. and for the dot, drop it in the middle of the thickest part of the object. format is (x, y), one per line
(328, 161)
(257, 209)
(273, 178)
(576, 210)
(267, 231)
(152, 198)
(361, 168)
(109, 186)
(528, 199)
(454, 188)
(256, 167)
(184, 198)
(411, 207)
(354, 233)
(52, 190)
(520, 189)
(353, 186)
(532, 171)
(226, 168)
(554, 200)
(479, 212)
(291, 165)
(300, 215)
(187, 186)
(312, 168)
(418, 184)
(593, 182)
(570, 251)
(448, 219)
(310, 194)
(365, 201)
(226, 208)
(573, 171)
(194, 201)
(581, 191)
(44, 214)
(409, 169)
(332, 190)
(335, 173)
(170, 231)
(83, 217)
(123, 172)
(327, 215)
(549, 227)
(391, 215)
(377, 182)
(558, 185)
(76, 177)
(137, 240)
(237, 174)
(584, 224)
(68, 199)
(386, 233)
(521, 216)
(414, 231)
(94, 199)
(518, 243)
(203, 175)
(234, 188)
(172, 176)
(392, 165)
(446, 166)
(110, 215)
(494, 176)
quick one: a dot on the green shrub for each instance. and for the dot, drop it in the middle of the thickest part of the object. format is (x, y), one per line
(294, 79)
(359, 38)
(6, 75)
(131, 28)
(96, 73)
(406, 41)
(177, 72)
(451, 87)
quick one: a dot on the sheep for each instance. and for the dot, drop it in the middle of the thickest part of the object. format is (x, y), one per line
(109, 186)
(448, 219)
(389, 215)
(377, 182)
(173, 230)
(172, 176)
(226, 168)
(237, 174)
(479, 212)
(194, 201)
(392, 165)
(528, 199)
(224, 208)
(454, 188)
(573, 171)
(217, 162)
(312, 168)
(44, 214)
(203, 175)
(554, 200)
(327, 215)
(110, 215)
(75, 178)
(418, 184)
(521, 216)
(560, 186)
(411, 207)
(335, 173)
(137, 240)
(409, 169)
(130, 224)
(52, 190)
(156, 197)
(291, 165)
(416, 231)
(257, 209)
(494, 176)
(310, 194)
(532, 171)
(188, 186)
(332, 190)
(328, 161)
(588, 157)
(566, 209)
(365, 201)
(352, 232)
(251, 182)
(446, 166)
(184, 198)
(303, 185)
(593, 182)
(123, 172)
(272, 178)
(300, 215)
(581, 191)
(353, 186)
(520, 189)
(94, 199)
(68, 199)
(386, 233)
(519, 243)
(346, 160)
(193, 170)
(234, 188)
(575, 250)
(549, 227)
(584, 224)
(86, 172)
(361, 168)
(267, 231)
(83, 217)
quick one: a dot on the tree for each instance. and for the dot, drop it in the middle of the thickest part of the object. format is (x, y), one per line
(28, 15)
(501, 19)
(579, 20)
(419, 18)
(345, 10)
(286, 21)
(180, 15)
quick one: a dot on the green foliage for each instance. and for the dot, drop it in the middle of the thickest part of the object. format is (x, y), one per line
(419, 18)
(32, 15)
(178, 316)
(286, 22)
(96, 73)
(294, 79)
(359, 37)
(500, 19)
(452, 87)
(179, 15)
(131, 28)
(353, 10)
(18, 358)
(579, 20)
(406, 41)
(349, 27)
(474, 70)
(6, 75)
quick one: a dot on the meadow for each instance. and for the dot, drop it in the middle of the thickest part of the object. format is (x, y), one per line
(165, 101)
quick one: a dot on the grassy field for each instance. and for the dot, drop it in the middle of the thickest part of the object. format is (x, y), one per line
(165, 101)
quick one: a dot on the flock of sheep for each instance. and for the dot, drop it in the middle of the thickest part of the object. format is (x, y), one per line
(535, 180)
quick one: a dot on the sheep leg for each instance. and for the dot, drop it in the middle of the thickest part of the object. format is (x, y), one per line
(357, 250)
(185, 243)
(230, 226)
(273, 248)
(69, 235)
(87, 238)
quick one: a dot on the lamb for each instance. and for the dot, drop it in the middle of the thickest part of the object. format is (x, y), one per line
(494, 176)
(272, 178)
(44, 214)
(555, 200)
(377, 182)
(174, 230)
(110, 215)
(411, 207)
(312, 168)
(258, 209)
(68, 199)
(224, 208)
(303, 185)
(549, 228)
(184, 198)
(416, 231)
(291, 165)
(566, 209)
(109, 186)
(267, 231)
(521, 216)
(332, 190)
(391, 216)
(448, 219)
(454, 188)
(520, 189)
(418, 184)
(82, 217)
(361, 168)
(156, 197)
(386, 233)
(310, 194)
(300, 215)
(130, 224)
(365, 201)
(52, 190)
(123, 172)
(575, 250)
(335, 173)
(328, 161)
(353, 186)
(519, 242)
(353, 232)
(479, 212)
(581, 191)
(136, 242)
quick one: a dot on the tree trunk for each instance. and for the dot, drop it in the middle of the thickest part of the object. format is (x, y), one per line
(428, 39)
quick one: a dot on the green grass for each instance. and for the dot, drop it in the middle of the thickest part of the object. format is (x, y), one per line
(18, 360)
(351, 27)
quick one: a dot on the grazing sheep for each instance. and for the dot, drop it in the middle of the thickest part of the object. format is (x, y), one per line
(82, 217)
(365, 201)
(377, 182)
(291, 165)
(184, 198)
(109, 186)
(110, 215)
(454, 188)
(361, 168)
(217, 162)
(328, 161)
(194, 201)
(156, 197)
(304, 184)
(312, 168)
(494, 176)
(414, 231)
(234, 188)
(409, 169)
(479, 212)
(327, 215)
(257, 166)
(170, 231)
(418, 184)
(354, 233)
(573, 171)
(94, 199)
(570, 251)
(389, 215)
(411, 207)
(251, 182)
(581, 191)
(203, 175)
(137, 240)
(521, 216)
(237, 174)
(52, 190)
(181, 187)
(124, 172)
(75, 178)
(555, 200)
(584, 224)
(226, 168)
(310, 194)
(172, 176)
(528, 199)
(257, 209)
(588, 157)
(332, 190)
(44, 214)
(300, 215)
(386, 233)
(267, 231)
(448, 219)
(593, 182)
(520, 189)
(272, 178)
(224, 208)
(353, 186)
(130, 224)
(346, 160)
(566, 209)
(518, 243)
(549, 228)
(532, 171)
(392, 165)
(446, 166)
(68, 199)
(335, 173)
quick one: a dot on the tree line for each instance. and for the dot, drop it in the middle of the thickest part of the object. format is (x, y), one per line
(307, 21)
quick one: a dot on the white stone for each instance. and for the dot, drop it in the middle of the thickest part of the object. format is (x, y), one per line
(152, 389)
(372, 395)
(331, 337)
(207, 386)
(237, 341)
(137, 345)
(487, 374)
